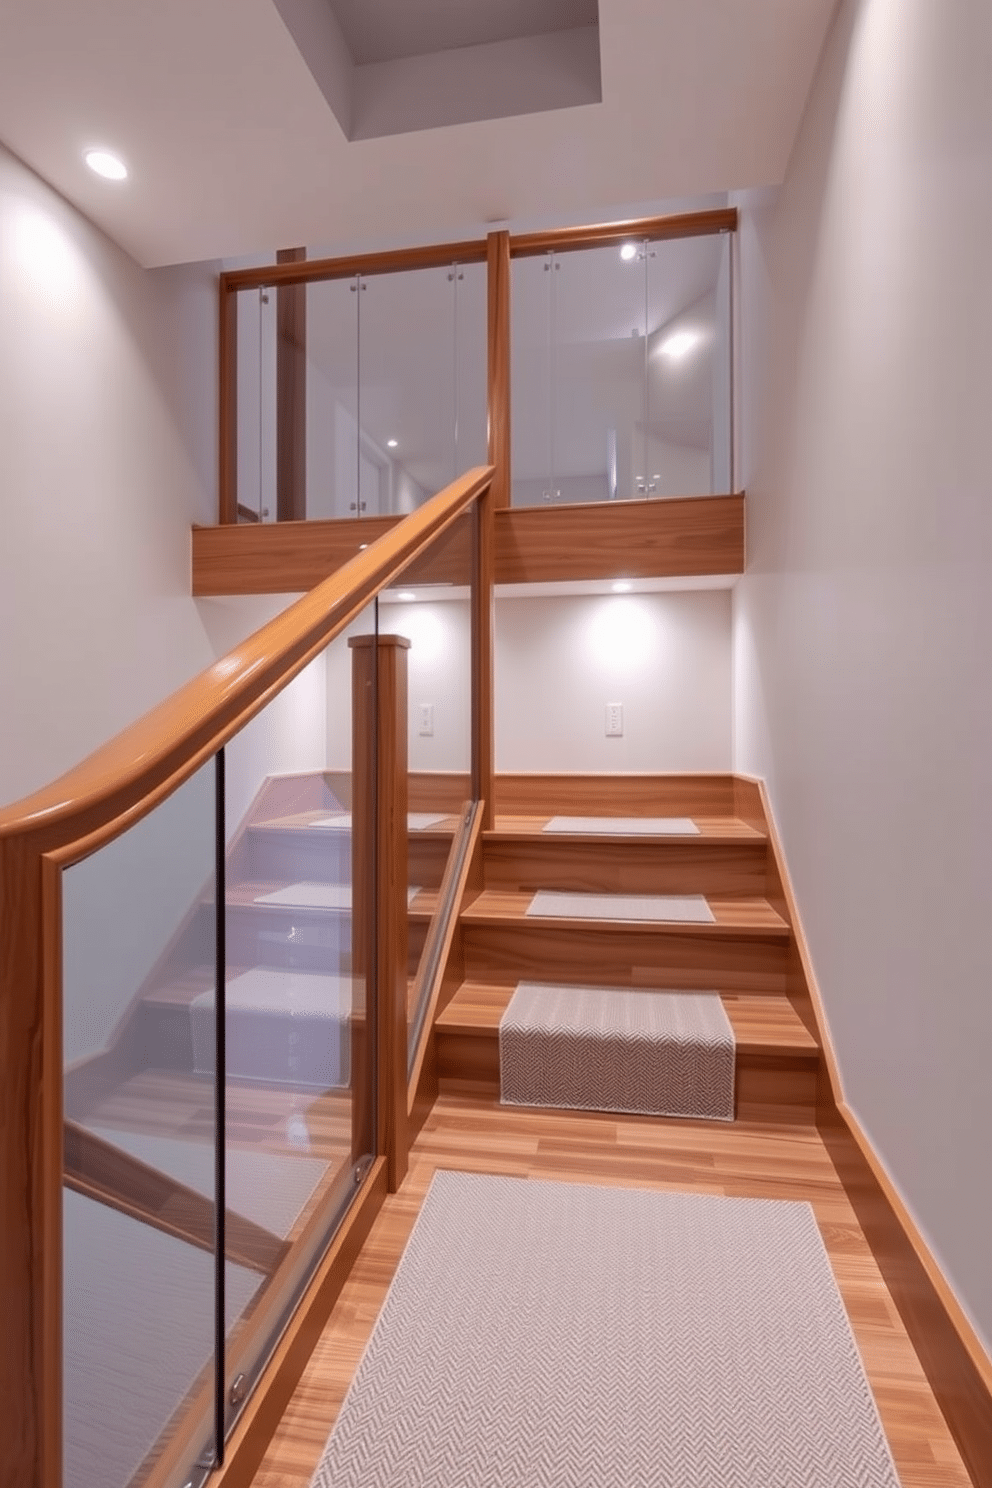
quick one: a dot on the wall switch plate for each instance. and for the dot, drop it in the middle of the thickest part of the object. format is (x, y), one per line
(614, 720)
(426, 720)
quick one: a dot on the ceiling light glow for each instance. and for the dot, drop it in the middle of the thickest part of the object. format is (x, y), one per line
(678, 344)
(106, 165)
(622, 586)
(628, 251)
(391, 443)
(406, 594)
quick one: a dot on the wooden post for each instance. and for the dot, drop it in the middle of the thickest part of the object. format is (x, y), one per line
(483, 738)
(498, 265)
(379, 885)
(291, 394)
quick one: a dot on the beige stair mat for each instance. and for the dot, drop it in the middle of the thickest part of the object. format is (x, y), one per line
(656, 1053)
(690, 909)
(417, 821)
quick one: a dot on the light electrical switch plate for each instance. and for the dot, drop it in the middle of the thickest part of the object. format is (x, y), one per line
(427, 720)
(614, 720)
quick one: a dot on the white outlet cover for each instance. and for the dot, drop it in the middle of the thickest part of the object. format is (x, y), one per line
(614, 720)
(426, 720)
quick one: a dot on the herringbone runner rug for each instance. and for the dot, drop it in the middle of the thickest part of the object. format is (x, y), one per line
(557, 1335)
(613, 1049)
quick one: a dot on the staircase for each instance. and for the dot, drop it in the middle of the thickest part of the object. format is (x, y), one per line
(744, 955)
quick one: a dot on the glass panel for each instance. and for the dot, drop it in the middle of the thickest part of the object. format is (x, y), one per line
(139, 1321)
(298, 1088)
(621, 372)
(687, 427)
(430, 604)
(332, 315)
(256, 388)
(423, 368)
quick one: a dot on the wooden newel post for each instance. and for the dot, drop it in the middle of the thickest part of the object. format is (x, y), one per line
(379, 888)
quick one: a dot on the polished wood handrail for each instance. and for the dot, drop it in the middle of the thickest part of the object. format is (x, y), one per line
(603, 235)
(155, 754)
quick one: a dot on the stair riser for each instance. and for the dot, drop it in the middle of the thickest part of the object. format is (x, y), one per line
(301, 940)
(630, 867)
(768, 1088)
(603, 956)
(295, 855)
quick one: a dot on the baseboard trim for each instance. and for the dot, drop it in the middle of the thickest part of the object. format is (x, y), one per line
(953, 1358)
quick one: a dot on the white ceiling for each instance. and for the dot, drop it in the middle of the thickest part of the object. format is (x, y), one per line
(384, 30)
(234, 149)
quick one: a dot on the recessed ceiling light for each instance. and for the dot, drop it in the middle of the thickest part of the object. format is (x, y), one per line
(622, 586)
(628, 251)
(406, 594)
(106, 165)
(391, 443)
(678, 344)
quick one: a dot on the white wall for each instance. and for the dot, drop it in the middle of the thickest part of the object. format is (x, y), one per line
(108, 416)
(665, 657)
(863, 631)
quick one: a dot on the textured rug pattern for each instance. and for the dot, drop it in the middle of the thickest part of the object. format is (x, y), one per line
(689, 909)
(541, 1334)
(612, 1049)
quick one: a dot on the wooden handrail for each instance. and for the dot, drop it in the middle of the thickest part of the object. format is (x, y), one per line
(155, 754)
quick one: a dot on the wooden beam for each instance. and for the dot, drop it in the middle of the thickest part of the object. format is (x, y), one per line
(657, 229)
(687, 537)
(379, 905)
(291, 394)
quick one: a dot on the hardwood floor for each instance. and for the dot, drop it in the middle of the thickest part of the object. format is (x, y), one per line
(748, 1160)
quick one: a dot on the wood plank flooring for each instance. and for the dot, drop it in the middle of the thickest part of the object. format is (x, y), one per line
(746, 1160)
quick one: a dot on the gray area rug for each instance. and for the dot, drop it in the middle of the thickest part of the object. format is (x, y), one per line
(660, 908)
(623, 826)
(613, 1049)
(560, 1334)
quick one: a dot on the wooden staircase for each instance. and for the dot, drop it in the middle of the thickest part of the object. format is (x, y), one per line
(745, 955)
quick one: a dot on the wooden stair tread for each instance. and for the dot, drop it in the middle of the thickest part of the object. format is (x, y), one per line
(729, 829)
(302, 821)
(762, 1025)
(742, 916)
(245, 896)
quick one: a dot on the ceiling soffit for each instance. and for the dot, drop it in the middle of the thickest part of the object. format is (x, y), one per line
(389, 67)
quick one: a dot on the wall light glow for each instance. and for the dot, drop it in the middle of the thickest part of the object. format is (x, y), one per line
(110, 167)
(406, 594)
(678, 344)
(621, 635)
(622, 586)
(628, 251)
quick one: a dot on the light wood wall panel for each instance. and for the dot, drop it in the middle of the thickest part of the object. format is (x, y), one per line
(689, 537)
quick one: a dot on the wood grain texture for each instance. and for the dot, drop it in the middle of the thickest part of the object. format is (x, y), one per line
(107, 1174)
(541, 795)
(686, 536)
(395, 261)
(452, 892)
(291, 394)
(380, 734)
(261, 1417)
(956, 1364)
(482, 642)
(227, 406)
(613, 539)
(657, 229)
(745, 1160)
(707, 864)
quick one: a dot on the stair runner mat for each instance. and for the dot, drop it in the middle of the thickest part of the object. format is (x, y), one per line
(662, 908)
(613, 1049)
(623, 826)
(417, 821)
(318, 896)
(138, 1331)
(540, 1334)
(287, 1026)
